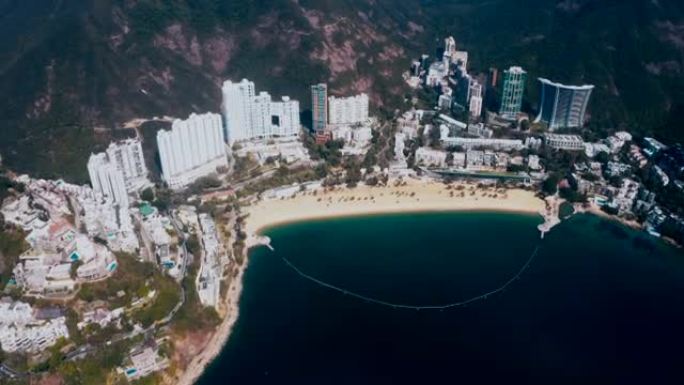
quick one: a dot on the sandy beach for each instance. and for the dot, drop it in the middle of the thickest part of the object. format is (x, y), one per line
(414, 196)
(410, 196)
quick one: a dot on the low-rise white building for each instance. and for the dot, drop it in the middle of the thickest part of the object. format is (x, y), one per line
(155, 229)
(617, 141)
(289, 191)
(409, 124)
(21, 331)
(100, 316)
(211, 269)
(533, 163)
(144, 361)
(593, 149)
(430, 157)
(357, 136)
(491, 143)
(479, 160)
(626, 195)
(436, 72)
(617, 169)
(288, 150)
(564, 142)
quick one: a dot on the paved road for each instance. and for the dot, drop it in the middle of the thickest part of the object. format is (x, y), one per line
(84, 350)
(184, 247)
(7, 372)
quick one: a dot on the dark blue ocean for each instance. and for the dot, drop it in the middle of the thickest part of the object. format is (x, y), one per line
(599, 304)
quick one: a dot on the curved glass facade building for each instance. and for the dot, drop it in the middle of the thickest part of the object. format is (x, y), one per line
(563, 106)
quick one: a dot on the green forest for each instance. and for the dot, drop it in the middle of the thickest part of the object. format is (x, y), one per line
(72, 72)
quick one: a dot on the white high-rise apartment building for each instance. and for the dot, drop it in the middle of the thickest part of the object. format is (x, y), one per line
(238, 99)
(285, 113)
(249, 116)
(460, 58)
(449, 46)
(261, 115)
(128, 157)
(107, 179)
(353, 109)
(475, 105)
(192, 149)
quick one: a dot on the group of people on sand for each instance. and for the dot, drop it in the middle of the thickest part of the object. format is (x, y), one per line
(454, 191)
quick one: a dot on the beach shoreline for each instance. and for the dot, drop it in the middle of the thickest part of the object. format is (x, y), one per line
(413, 196)
(196, 368)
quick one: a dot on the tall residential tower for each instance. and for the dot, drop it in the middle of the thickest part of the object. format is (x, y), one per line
(350, 110)
(107, 180)
(563, 106)
(127, 156)
(236, 108)
(192, 149)
(319, 108)
(475, 104)
(514, 80)
(251, 116)
(118, 171)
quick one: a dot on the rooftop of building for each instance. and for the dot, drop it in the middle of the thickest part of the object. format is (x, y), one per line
(585, 87)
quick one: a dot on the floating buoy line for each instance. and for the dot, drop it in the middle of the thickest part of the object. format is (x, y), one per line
(394, 305)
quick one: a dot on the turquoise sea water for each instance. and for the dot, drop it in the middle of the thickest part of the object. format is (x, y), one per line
(599, 304)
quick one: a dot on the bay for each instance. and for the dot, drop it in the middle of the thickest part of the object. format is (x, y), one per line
(599, 303)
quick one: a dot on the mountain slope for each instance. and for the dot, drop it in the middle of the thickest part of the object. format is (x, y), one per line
(89, 68)
(72, 72)
(632, 50)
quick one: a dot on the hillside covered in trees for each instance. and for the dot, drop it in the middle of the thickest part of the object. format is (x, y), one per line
(71, 73)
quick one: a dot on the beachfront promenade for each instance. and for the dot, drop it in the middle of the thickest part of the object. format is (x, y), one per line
(410, 195)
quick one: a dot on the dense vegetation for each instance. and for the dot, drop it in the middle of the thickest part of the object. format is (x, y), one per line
(193, 316)
(629, 49)
(12, 242)
(135, 280)
(72, 72)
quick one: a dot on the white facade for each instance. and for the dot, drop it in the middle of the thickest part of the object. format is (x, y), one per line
(287, 150)
(107, 179)
(449, 46)
(564, 142)
(460, 58)
(497, 144)
(475, 106)
(444, 102)
(353, 109)
(238, 99)
(21, 331)
(431, 158)
(286, 111)
(128, 157)
(533, 162)
(436, 72)
(353, 136)
(250, 116)
(211, 270)
(192, 149)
